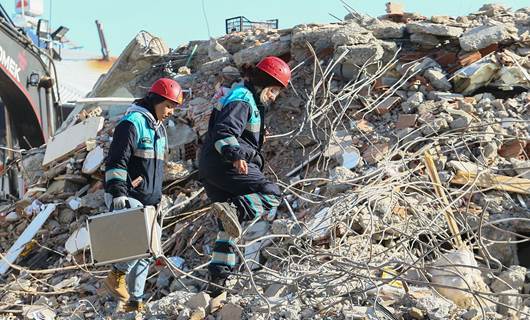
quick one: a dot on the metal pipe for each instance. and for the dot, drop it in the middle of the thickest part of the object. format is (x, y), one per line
(50, 107)
(103, 42)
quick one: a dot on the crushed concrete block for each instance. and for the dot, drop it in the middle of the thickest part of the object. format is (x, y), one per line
(521, 167)
(438, 80)
(514, 278)
(213, 67)
(361, 53)
(198, 314)
(458, 277)
(512, 299)
(169, 305)
(231, 311)
(66, 216)
(351, 34)
(339, 175)
(200, 300)
(217, 51)
(32, 165)
(426, 40)
(386, 29)
(217, 302)
(275, 290)
(460, 123)
(253, 55)
(319, 36)
(483, 36)
(94, 200)
(434, 29)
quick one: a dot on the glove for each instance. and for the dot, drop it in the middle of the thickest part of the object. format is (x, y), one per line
(119, 203)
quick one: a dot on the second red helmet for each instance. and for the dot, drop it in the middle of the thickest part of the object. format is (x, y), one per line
(276, 68)
(169, 89)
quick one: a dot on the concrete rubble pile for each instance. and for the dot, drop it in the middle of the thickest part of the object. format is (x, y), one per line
(402, 147)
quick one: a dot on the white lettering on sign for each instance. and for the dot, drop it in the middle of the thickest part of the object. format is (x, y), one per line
(10, 64)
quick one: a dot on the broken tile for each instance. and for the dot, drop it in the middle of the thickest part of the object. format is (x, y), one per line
(406, 121)
(387, 104)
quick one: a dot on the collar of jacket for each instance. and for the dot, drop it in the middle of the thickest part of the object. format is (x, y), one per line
(255, 93)
(155, 124)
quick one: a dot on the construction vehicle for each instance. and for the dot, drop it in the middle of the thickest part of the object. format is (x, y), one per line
(28, 89)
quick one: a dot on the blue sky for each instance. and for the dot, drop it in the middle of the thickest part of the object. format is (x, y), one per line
(178, 21)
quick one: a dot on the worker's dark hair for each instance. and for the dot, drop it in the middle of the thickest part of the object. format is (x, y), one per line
(149, 101)
(258, 78)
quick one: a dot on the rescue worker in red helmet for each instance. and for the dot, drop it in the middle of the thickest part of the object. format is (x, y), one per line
(134, 174)
(231, 164)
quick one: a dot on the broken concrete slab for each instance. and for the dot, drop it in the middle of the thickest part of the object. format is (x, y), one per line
(360, 54)
(438, 79)
(213, 67)
(319, 36)
(351, 34)
(386, 29)
(71, 139)
(425, 40)
(434, 29)
(253, 55)
(483, 36)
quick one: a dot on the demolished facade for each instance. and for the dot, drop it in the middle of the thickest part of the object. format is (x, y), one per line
(368, 229)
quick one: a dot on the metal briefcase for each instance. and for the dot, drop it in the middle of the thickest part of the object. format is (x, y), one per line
(124, 235)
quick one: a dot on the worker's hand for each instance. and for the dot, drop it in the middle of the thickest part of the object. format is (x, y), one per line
(119, 203)
(266, 135)
(241, 166)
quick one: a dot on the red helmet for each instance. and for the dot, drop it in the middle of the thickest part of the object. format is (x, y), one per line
(169, 89)
(276, 68)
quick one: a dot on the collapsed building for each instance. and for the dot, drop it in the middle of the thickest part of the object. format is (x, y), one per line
(402, 148)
